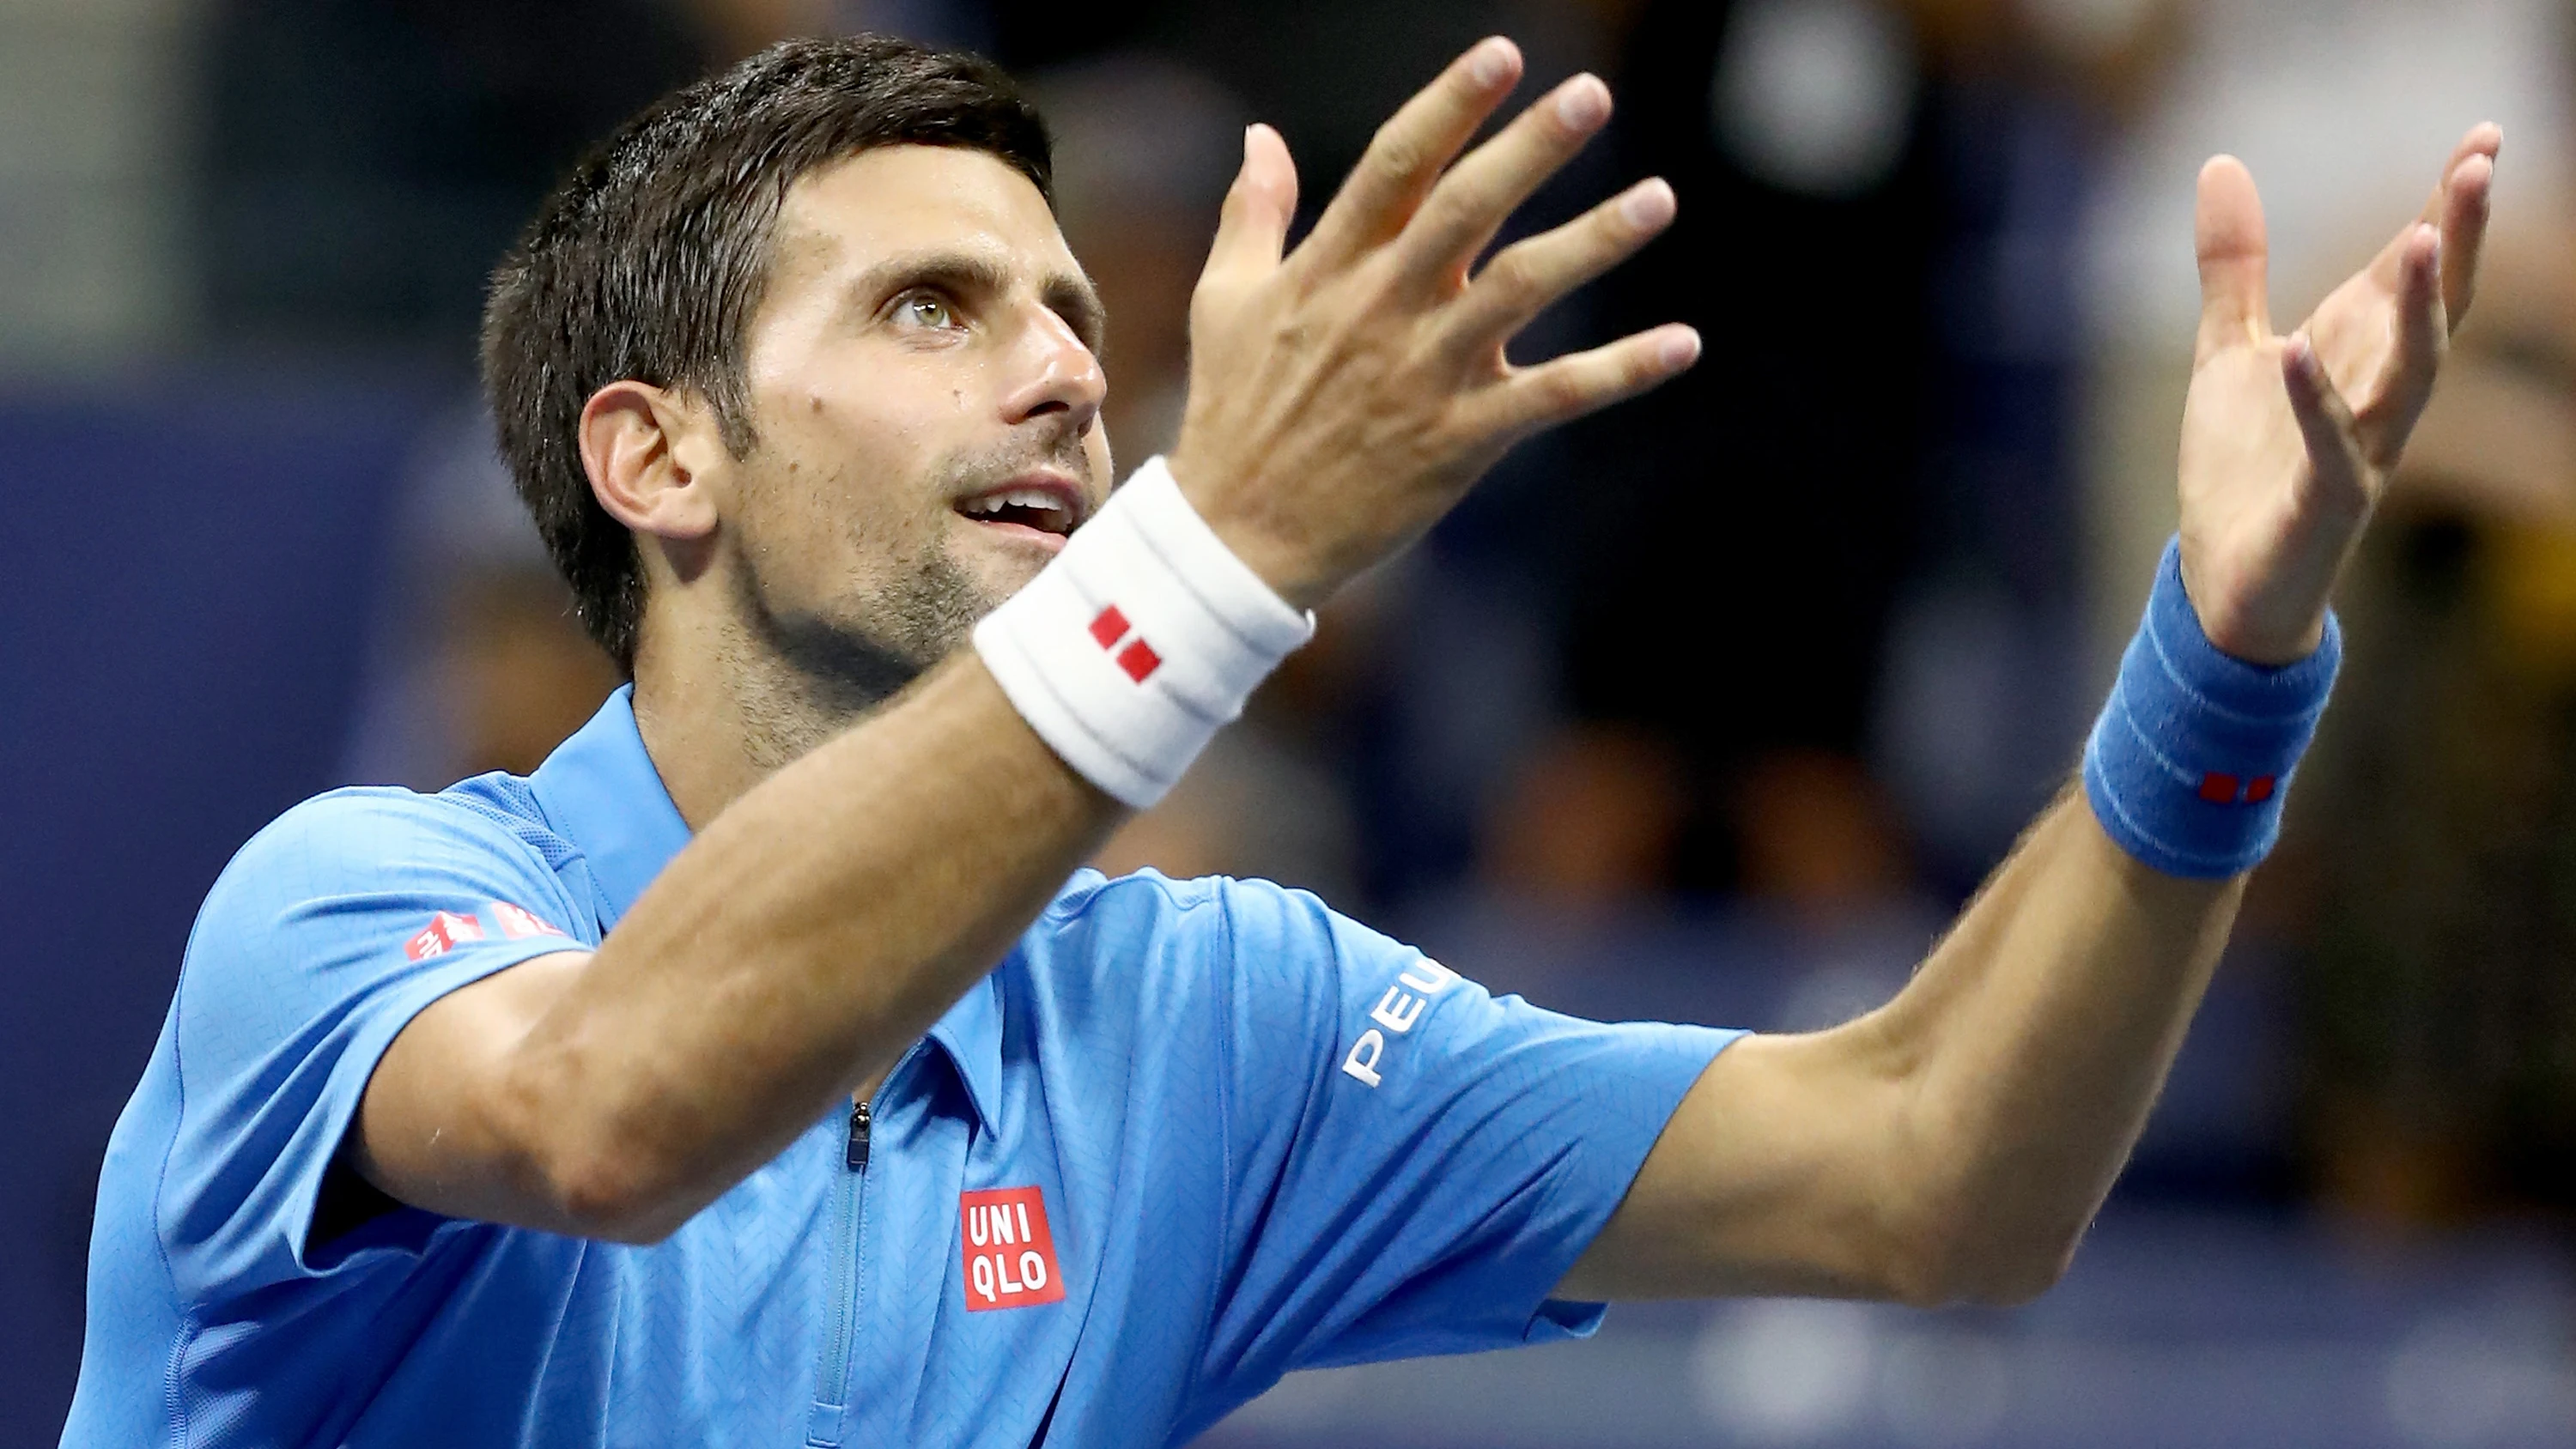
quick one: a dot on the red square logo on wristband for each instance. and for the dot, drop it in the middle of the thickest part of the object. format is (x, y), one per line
(1138, 659)
(1009, 1251)
(2220, 789)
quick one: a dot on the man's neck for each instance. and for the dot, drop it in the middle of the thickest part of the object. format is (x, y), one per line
(718, 715)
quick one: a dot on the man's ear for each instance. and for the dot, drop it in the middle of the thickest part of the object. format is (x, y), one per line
(648, 451)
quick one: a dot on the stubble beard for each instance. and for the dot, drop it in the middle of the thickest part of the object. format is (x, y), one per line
(828, 668)
(825, 674)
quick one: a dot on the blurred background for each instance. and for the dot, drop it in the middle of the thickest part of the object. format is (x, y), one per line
(1712, 709)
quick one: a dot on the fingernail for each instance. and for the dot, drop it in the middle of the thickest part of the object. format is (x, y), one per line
(1679, 349)
(2303, 354)
(1584, 103)
(1493, 60)
(1647, 205)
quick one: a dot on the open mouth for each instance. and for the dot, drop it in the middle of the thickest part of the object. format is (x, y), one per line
(1049, 509)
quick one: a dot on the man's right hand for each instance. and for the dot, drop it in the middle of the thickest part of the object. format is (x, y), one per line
(1342, 399)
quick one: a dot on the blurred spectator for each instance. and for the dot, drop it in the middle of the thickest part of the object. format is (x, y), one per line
(1985, 686)
(1812, 557)
(1761, 509)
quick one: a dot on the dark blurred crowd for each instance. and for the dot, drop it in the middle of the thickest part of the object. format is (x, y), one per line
(1809, 632)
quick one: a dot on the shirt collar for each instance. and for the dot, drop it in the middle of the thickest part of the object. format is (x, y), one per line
(600, 791)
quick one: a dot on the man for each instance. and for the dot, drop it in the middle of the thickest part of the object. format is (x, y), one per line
(672, 1095)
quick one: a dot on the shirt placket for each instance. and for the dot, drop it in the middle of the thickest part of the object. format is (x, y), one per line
(827, 1418)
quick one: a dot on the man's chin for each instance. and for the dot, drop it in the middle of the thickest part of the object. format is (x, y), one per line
(860, 652)
(1002, 568)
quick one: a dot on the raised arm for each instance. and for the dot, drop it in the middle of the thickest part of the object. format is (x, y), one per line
(1341, 399)
(1955, 1143)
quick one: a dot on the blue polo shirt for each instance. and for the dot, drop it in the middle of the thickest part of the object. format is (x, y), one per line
(1187, 1137)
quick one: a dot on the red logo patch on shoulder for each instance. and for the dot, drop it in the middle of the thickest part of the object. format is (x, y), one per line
(519, 924)
(445, 932)
(1010, 1253)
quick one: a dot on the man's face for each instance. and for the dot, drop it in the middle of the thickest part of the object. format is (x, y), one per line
(924, 381)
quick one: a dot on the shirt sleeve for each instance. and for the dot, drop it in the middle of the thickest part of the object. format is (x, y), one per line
(1413, 1163)
(322, 939)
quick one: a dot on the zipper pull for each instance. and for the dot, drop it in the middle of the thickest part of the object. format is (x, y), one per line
(858, 1153)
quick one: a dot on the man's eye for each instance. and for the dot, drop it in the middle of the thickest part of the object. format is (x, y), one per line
(925, 310)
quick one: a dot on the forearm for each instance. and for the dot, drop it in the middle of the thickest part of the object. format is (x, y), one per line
(804, 939)
(1953, 1143)
(2027, 1052)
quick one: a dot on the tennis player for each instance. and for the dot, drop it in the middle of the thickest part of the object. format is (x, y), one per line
(673, 1095)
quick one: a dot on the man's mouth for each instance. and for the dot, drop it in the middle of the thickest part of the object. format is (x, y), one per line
(1050, 506)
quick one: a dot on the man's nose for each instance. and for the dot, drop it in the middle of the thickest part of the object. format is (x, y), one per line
(1057, 374)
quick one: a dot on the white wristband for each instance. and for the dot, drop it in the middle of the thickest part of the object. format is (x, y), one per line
(1142, 638)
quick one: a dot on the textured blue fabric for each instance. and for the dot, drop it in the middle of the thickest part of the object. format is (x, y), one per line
(2192, 757)
(1263, 1137)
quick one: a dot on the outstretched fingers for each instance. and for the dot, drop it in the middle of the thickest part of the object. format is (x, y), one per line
(1568, 387)
(1407, 155)
(2422, 334)
(1468, 205)
(2463, 198)
(1527, 277)
(1254, 223)
(2458, 209)
(2341, 479)
(2227, 232)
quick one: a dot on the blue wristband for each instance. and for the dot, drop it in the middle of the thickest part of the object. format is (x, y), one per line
(2189, 762)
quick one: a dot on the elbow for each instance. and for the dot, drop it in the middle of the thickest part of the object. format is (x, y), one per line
(583, 1176)
(1947, 1238)
(609, 1197)
(2004, 1278)
(1961, 1225)
(1981, 1267)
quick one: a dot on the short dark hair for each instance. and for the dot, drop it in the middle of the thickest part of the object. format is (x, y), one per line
(649, 260)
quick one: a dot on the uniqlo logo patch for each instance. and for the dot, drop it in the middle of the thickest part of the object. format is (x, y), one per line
(1010, 1254)
(445, 932)
(519, 924)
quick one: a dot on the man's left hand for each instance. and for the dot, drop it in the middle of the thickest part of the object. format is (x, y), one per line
(2288, 442)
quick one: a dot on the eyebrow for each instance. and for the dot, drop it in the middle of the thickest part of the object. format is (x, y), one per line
(1069, 295)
